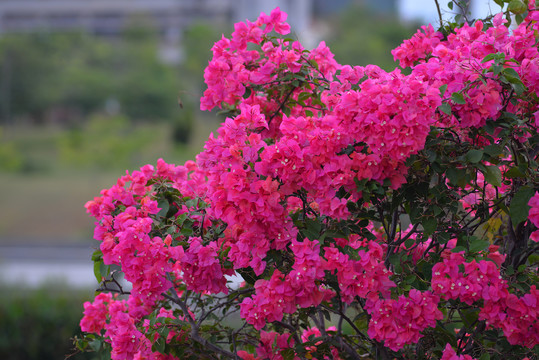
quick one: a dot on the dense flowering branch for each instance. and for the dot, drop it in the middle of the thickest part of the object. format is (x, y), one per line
(363, 213)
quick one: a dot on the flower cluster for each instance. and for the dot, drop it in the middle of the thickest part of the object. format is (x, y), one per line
(311, 156)
(126, 215)
(479, 280)
(111, 315)
(314, 332)
(516, 316)
(450, 354)
(482, 281)
(534, 215)
(284, 293)
(400, 322)
(271, 346)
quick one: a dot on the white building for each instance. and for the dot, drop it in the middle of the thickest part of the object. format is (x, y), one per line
(107, 17)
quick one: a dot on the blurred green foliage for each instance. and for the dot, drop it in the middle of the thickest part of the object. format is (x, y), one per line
(103, 95)
(198, 41)
(70, 75)
(39, 324)
(105, 141)
(11, 159)
(359, 36)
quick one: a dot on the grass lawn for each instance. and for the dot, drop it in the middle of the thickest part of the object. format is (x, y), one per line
(44, 203)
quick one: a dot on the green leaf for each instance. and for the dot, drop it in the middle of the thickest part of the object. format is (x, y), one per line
(396, 260)
(474, 156)
(478, 245)
(247, 93)
(457, 177)
(409, 242)
(496, 69)
(425, 268)
(97, 255)
(519, 88)
(493, 150)
(163, 205)
(163, 331)
(493, 56)
(288, 354)
(287, 111)
(519, 208)
(458, 98)
(493, 175)
(511, 73)
(429, 225)
(186, 231)
(159, 345)
(151, 182)
(104, 270)
(312, 229)
(445, 108)
(485, 356)
(457, 249)
(517, 7)
(513, 78)
(469, 317)
(514, 172)
(304, 96)
(443, 89)
(97, 270)
(248, 275)
(443, 238)
(445, 335)
(452, 175)
(96, 345)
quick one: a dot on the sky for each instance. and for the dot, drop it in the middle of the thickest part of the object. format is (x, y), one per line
(425, 10)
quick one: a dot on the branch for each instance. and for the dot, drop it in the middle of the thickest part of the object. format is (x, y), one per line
(394, 222)
(236, 296)
(292, 329)
(348, 320)
(337, 342)
(470, 343)
(407, 236)
(119, 290)
(283, 103)
(195, 336)
(234, 334)
(439, 12)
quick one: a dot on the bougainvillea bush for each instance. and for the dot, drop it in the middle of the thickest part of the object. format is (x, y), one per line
(341, 212)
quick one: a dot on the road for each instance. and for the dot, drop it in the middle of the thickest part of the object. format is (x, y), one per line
(33, 265)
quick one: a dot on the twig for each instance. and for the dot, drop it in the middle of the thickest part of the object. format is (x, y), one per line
(104, 286)
(236, 296)
(439, 12)
(194, 329)
(283, 103)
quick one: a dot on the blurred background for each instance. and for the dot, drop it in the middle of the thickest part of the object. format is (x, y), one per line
(90, 88)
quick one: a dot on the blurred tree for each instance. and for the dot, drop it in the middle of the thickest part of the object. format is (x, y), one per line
(359, 36)
(85, 70)
(147, 88)
(197, 43)
(28, 82)
(71, 75)
(105, 142)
